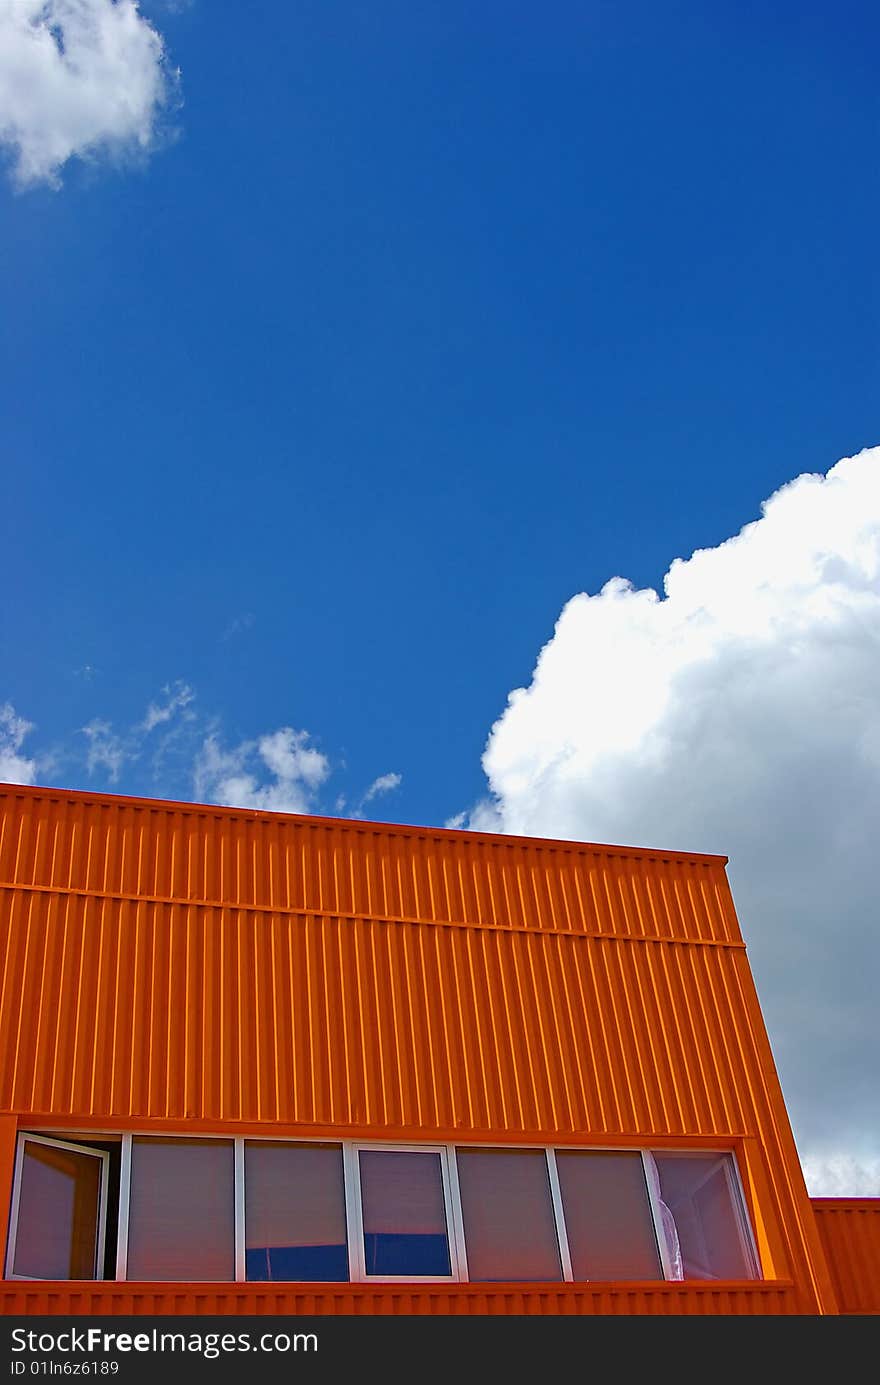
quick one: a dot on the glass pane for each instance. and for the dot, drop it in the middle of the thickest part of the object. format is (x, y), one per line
(58, 1209)
(181, 1222)
(509, 1228)
(607, 1216)
(294, 1212)
(403, 1211)
(696, 1190)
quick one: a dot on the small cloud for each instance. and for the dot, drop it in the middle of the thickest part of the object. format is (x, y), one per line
(79, 79)
(459, 820)
(179, 696)
(384, 784)
(238, 625)
(14, 768)
(239, 778)
(106, 750)
(87, 672)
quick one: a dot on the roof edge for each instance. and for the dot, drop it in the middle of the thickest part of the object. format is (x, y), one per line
(357, 825)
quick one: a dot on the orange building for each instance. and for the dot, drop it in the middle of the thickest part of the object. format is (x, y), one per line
(258, 1063)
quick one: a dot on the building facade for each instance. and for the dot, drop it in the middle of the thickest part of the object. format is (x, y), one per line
(259, 1063)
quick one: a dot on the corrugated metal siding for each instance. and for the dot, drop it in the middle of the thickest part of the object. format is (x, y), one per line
(153, 1010)
(199, 965)
(850, 1232)
(144, 850)
(353, 1299)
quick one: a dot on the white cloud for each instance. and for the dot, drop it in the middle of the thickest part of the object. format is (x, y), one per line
(78, 78)
(384, 784)
(179, 696)
(740, 714)
(238, 777)
(840, 1175)
(14, 768)
(106, 750)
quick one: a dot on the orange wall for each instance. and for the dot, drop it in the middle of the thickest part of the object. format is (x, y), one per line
(496, 1300)
(203, 968)
(850, 1232)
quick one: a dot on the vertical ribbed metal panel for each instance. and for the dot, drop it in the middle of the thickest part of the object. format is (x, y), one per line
(850, 1232)
(214, 968)
(166, 1010)
(139, 849)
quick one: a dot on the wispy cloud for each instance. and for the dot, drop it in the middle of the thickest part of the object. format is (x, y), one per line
(175, 751)
(106, 750)
(739, 714)
(384, 784)
(178, 695)
(15, 768)
(110, 751)
(79, 78)
(238, 625)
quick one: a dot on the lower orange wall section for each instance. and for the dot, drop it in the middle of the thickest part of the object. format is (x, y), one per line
(849, 1228)
(19, 1298)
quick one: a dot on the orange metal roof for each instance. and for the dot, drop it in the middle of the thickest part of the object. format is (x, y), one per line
(205, 967)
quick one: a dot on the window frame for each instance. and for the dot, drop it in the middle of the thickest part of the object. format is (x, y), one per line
(26, 1137)
(350, 1152)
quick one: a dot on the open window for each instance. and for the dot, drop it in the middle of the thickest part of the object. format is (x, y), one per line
(59, 1210)
(702, 1194)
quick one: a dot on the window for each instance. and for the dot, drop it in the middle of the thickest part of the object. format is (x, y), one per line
(702, 1195)
(150, 1207)
(294, 1212)
(403, 1212)
(181, 1211)
(59, 1210)
(607, 1213)
(507, 1210)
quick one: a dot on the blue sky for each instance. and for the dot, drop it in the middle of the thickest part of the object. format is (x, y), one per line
(403, 325)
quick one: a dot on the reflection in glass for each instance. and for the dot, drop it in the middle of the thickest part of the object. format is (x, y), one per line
(181, 1222)
(294, 1212)
(403, 1213)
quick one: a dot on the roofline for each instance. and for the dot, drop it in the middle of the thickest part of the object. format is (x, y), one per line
(359, 825)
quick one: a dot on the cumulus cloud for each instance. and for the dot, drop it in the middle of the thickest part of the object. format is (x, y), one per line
(279, 772)
(14, 767)
(738, 713)
(78, 78)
